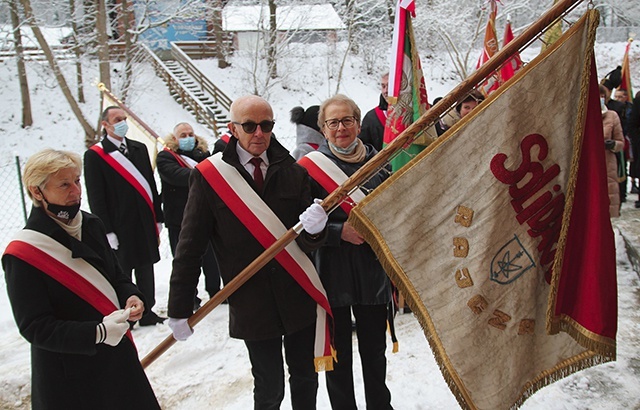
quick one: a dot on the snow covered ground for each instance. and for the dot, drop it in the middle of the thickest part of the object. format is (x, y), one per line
(211, 370)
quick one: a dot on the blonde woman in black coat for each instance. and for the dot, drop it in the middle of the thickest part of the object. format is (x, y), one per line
(71, 300)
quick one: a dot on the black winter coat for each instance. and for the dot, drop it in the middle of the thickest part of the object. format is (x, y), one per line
(351, 274)
(122, 209)
(372, 130)
(271, 303)
(68, 369)
(175, 184)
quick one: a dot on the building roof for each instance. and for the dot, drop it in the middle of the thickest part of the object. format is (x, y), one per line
(301, 17)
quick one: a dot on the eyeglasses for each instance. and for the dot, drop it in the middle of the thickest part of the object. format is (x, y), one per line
(348, 122)
(250, 127)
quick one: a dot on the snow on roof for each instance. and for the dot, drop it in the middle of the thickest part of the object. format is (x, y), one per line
(301, 17)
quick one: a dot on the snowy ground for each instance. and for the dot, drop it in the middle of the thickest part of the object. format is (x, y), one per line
(211, 370)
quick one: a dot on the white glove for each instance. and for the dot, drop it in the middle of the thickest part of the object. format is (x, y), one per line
(113, 327)
(314, 218)
(159, 227)
(113, 240)
(180, 329)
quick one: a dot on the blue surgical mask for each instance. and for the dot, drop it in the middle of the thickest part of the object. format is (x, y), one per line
(348, 150)
(121, 128)
(187, 143)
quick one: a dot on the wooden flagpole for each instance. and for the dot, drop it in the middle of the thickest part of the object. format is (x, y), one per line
(375, 164)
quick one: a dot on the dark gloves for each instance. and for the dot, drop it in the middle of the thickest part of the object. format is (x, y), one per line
(609, 144)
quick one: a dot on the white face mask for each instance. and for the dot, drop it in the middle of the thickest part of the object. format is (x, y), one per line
(121, 128)
(603, 106)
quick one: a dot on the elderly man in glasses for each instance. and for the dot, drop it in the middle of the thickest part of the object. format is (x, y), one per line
(236, 199)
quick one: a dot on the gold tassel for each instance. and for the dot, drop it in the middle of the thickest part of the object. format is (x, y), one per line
(323, 364)
(395, 347)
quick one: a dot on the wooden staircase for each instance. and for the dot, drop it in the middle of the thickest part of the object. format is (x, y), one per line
(193, 90)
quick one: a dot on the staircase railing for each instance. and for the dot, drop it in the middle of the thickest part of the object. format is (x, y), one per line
(219, 97)
(186, 97)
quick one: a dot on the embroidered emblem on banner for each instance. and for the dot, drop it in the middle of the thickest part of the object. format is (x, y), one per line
(511, 262)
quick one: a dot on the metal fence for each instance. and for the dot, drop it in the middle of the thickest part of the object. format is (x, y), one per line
(14, 200)
(16, 205)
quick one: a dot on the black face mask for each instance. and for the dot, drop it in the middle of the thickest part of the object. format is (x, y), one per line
(67, 212)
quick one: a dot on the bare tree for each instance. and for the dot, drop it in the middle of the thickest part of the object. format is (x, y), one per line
(77, 50)
(27, 118)
(103, 43)
(90, 133)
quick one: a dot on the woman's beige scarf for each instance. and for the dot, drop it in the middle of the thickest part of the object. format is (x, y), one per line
(357, 155)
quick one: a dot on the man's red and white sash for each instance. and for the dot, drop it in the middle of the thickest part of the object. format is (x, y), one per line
(183, 160)
(329, 176)
(130, 173)
(266, 227)
(76, 274)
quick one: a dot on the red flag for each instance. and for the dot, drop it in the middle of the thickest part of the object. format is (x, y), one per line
(626, 74)
(407, 90)
(586, 302)
(489, 49)
(514, 63)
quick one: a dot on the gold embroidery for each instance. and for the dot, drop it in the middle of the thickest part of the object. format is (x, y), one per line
(464, 216)
(499, 320)
(477, 304)
(463, 278)
(527, 327)
(460, 247)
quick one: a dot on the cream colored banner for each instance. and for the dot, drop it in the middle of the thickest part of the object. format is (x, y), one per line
(460, 246)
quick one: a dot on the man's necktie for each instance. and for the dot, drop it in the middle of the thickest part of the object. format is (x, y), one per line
(123, 149)
(257, 172)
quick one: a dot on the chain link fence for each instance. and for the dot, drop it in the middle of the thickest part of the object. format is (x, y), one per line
(16, 205)
(14, 199)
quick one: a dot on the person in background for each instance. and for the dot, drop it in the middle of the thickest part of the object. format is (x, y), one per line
(308, 136)
(613, 143)
(71, 300)
(633, 127)
(470, 102)
(372, 130)
(612, 81)
(271, 308)
(354, 280)
(622, 96)
(122, 193)
(183, 151)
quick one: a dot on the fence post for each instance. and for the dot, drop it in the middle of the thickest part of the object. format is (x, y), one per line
(24, 205)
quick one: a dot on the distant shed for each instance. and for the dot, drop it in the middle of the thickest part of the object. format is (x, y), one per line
(308, 23)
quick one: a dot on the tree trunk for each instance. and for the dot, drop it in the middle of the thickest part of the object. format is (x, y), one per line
(103, 44)
(90, 133)
(221, 46)
(272, 36)
(76, 36)
(128, 50)
(27, 118)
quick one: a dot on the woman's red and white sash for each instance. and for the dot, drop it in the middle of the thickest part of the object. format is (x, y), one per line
(130, 173)
(183, 160)
(329, 176)
(266, 227)
(76, 274)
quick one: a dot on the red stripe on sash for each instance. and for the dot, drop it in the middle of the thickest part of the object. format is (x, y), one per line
(129, 178)
(382, 116)
(178, 158)
(66, 276)
(324, 180)
(258, 230)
